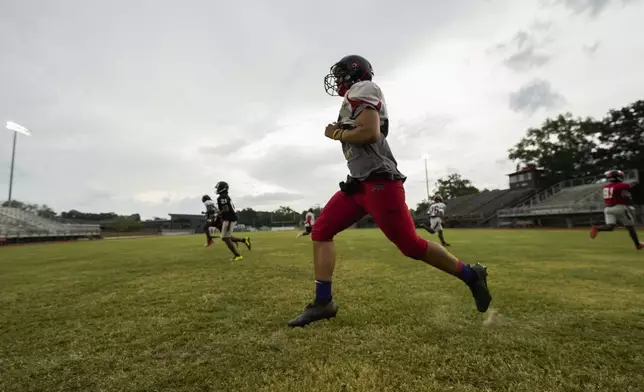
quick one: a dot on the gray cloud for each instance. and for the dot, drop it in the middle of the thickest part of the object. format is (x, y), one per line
(535, 95)
(525, 48)
(591, 7)
(263, 199)
(417, 137)
(224, 149)
(292, 167)
(591, 49)
(526, 59)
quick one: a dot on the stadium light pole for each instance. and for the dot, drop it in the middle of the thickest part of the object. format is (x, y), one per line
(426, 180)
(16, 128)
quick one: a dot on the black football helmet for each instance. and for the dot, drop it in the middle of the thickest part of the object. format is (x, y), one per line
(345, 73)
(221, 187)
(204, 198)
(310, 209)
(614, 175)
(438, 199)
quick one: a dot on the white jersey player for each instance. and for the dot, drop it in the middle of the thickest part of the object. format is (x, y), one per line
(212, 223)
(436, 212)
(309, 221)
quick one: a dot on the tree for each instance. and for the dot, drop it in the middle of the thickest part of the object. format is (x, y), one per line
(41, 210)
(567, 147)
(564, 147)
(621, 139)
(124, 224)
(421, 208)
(248, 217)
(46, 212)
(77, 215)
(316, 211)
(454, 186)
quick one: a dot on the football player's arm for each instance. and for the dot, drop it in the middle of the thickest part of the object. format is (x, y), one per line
(367, 130)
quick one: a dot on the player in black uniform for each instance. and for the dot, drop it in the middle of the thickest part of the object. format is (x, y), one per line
(212, 219)
(229, 219)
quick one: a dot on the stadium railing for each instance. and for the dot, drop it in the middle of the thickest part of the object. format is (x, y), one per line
(576, 196)
(629, 175)
(552, 209)
(22, 224)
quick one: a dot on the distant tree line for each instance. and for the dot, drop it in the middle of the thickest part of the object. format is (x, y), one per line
(569, 147)
(110, 221)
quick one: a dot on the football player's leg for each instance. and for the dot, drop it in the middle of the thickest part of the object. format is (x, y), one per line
(236, 240)
(610, 222)
(442, 237)
(628, 219)
(387, 206)
(206, 229)
(428, 228)
(338, 214)
(226, 236)
(307, 231)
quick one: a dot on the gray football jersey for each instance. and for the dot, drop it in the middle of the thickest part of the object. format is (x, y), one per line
(363, 160)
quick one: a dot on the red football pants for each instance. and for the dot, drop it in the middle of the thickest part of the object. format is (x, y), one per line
(384, 200)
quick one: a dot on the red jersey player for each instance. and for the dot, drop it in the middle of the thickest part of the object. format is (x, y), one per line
(374, 186)
(617, 198)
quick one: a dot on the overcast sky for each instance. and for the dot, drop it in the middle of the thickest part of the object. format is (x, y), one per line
(142, 106)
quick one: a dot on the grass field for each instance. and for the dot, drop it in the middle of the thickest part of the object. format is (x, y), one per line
(166, 314)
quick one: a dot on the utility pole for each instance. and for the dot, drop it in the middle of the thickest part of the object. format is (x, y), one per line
(16, 128)
(426, 180)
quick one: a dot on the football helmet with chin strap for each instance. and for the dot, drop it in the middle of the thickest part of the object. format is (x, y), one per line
(345, 73)
(614, 175)
(221, 187)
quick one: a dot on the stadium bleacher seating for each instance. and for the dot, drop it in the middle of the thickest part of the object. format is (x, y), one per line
(571, 202)
(572, 195)
(16, 225)
(570, 198)
(481, 207)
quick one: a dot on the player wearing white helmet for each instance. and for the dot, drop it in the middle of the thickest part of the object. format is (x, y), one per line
(436, 212)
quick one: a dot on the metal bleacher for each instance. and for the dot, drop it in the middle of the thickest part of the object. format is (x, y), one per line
(578, 196)
(16, 224)
(482, 207)
(474, 203)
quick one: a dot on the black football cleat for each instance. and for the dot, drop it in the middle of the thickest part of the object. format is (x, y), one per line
(479, 289)
(446, 245)
(315, 312)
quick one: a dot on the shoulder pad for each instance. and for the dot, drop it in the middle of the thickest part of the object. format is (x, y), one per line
(365, 93)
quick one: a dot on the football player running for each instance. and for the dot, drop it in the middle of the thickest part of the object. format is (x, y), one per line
(212, 219)
(374, 186)
(229, 220)
(618, 207)
(308, 223)
(436, 211)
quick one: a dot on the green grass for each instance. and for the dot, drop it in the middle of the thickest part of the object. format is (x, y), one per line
(166, 314)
